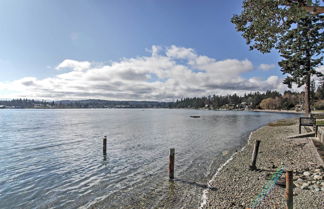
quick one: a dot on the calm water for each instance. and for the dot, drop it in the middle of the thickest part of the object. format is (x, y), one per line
(53, 158)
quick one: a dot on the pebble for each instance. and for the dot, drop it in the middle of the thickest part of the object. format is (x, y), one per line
(306, 173)
(299, 180)
(317, 170)
(305, 186)
(317, 177)
(303, 164)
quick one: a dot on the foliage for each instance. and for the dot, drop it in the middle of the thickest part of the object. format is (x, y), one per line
(285, 26)
(251, 100)
(264, 22)
(320, 91)
(271, 103)
(91, 103)
(300, 48)
(289, 100)
(319, 105)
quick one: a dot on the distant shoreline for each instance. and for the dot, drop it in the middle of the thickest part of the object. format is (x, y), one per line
(249, 110)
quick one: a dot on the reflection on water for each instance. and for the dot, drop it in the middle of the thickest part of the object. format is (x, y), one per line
(54, 158)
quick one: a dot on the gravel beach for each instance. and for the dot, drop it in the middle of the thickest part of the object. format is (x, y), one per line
(235, 186)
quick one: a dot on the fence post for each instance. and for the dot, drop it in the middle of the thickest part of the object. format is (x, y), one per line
(300, 125)
(171, 163)
(289, 190)
(255, 155)
(105, 145)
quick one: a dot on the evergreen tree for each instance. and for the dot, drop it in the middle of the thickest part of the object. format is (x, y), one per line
(320, 91)
(301, 49)
(286, 26)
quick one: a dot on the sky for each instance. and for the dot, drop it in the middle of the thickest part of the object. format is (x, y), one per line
(128, 50)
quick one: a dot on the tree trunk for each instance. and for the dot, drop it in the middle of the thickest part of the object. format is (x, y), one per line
(307, 96)
(308, 68)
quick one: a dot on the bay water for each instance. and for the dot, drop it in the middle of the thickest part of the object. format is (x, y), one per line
(53, 158)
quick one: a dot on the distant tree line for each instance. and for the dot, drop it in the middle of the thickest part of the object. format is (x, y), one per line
(252, 100)
(91, 103)
(268, 100)
(258, 100)
(23, 103)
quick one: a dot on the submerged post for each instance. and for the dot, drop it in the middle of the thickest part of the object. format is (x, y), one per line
(105, 145)
(171, 163)
(289, 190)
(255, 155)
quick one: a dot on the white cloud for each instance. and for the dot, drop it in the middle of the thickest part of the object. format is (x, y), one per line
(155, 50)
(167, 74)
(318, 80)
(74, 65)
(180, 53)
(266, 67)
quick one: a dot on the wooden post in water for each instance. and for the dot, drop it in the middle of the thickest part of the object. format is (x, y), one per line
(171, 163)
(289, 190)
(255, 155)
(105, 145)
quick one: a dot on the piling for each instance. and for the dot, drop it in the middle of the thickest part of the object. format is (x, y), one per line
(104, 145)
(289, 190)
(255, 155)
(171, 163)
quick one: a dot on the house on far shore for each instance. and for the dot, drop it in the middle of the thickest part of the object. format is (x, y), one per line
(299, 107)
(2, 106)
(39, 106)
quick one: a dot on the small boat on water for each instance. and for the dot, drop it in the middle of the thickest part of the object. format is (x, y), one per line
(194, 116)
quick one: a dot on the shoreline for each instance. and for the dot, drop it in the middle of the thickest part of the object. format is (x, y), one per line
(204, 197)
(235, 186)
(248, 110)
(278, 111)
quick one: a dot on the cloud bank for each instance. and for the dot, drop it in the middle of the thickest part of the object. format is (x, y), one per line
(168, 73)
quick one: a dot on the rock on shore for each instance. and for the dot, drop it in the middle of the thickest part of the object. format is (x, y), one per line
(235, 186)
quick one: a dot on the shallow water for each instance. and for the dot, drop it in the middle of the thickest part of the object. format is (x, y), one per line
(54, 159)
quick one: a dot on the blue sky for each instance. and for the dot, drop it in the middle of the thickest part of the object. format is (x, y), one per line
(37, 36)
